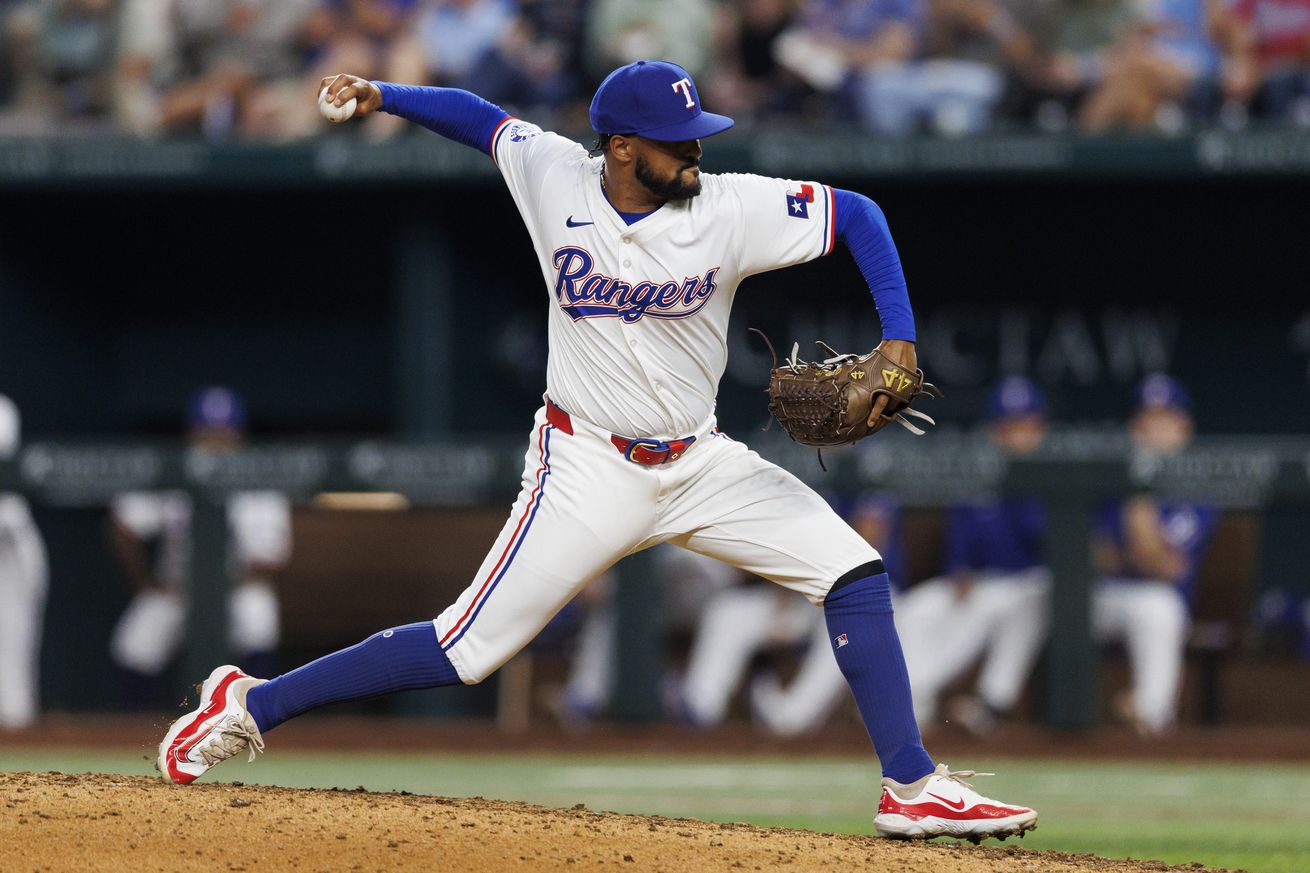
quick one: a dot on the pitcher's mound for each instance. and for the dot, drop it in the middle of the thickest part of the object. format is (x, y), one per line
(53, 821)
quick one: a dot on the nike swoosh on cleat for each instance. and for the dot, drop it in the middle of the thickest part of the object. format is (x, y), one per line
(571, 223)
(956, 805)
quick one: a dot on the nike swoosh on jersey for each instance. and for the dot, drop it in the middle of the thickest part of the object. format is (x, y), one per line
(953, 804)
(571, 223)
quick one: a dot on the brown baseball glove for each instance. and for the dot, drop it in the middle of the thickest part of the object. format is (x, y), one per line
(829, 403)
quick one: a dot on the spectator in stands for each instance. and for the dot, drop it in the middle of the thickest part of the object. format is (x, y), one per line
(1148, 550)
(986, 43)
(456, 34)
(809, 700)
(376, 37)
(23, 583)
(992, 602)
(535, 67)
(55, 57)
(1073, 41)
(748, 80)
(874, 50)
(839, 47)
(204, 65)
(1278, 32)
(1170, 67)
(623, 31)
(151, 537)
(20, 103)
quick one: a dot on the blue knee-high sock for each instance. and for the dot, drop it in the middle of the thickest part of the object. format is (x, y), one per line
(859, 616)
(399, 659)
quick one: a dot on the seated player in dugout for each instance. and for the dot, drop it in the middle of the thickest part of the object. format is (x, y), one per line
(641, 254)
(150, 533)
(1148, 550)
(991, 604)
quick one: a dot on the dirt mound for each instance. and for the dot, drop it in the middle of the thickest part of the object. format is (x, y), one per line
(91, 822)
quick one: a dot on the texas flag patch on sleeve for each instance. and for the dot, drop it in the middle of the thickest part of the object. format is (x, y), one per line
(798, 204)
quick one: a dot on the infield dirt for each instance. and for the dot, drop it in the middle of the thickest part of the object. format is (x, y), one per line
(90, 822)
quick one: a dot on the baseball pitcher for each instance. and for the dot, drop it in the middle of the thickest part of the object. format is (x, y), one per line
(641, 255)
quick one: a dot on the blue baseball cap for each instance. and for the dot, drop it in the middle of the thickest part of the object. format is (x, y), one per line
(654, 99)
(1015, 397)
(216, 407)
(1159, 391)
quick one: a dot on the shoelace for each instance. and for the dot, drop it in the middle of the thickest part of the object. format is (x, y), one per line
(954, 775)
(228, 738)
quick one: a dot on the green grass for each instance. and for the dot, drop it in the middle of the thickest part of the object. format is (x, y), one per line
(1248, 816)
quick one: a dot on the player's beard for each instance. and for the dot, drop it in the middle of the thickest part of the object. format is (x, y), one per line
(666, 189)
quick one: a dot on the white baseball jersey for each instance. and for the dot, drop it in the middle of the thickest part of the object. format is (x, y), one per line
(637, 333)
(639, 314)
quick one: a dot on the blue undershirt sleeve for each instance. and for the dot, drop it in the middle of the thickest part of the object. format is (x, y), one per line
(862, 226)
(457, 115)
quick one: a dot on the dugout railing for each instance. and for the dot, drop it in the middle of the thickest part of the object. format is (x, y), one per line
(1074, 473)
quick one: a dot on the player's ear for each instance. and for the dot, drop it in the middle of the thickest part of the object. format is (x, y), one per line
(622, 147)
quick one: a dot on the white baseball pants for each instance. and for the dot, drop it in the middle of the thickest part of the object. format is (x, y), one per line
(1152, 620)
(688, 582)
(24, 579)
(149, 632)
(582, 507)
(1001, 617)
(737, 625)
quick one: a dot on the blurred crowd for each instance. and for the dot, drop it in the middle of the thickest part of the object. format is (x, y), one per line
(249, 68)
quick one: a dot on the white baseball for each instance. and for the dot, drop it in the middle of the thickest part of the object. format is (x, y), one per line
(331, 111)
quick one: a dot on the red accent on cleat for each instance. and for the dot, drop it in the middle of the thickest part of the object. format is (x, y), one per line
(181, 747)
(890, 804)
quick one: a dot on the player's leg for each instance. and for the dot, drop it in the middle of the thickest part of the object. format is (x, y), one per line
(734, 506)
(591, 676)
(756, 516)
(574, 517)
(1017, 616)
(1123, 609)
(145, 639)
(22, 603)
(735, 625)
(254, 625)
(1155, 635)
(579, 510)
(811, 696)
(940, 638)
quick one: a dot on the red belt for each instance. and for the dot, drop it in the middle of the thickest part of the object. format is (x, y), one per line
(648, 452)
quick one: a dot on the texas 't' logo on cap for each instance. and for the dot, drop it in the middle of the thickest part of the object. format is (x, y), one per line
(654, 99)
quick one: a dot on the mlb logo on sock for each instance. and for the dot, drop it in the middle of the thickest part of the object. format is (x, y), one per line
(841, 641)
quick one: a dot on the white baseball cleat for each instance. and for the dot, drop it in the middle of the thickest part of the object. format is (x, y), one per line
(942, 804)
(218, 729)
